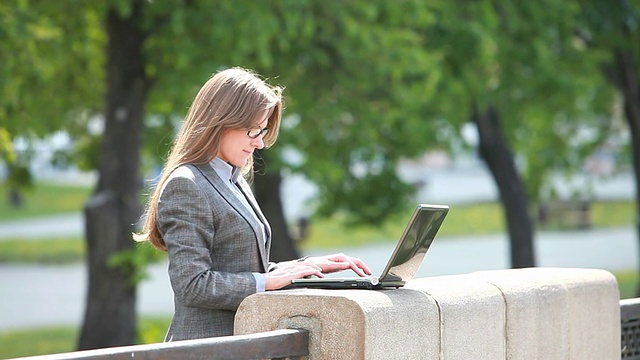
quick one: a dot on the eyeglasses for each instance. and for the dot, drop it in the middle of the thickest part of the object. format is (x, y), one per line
(254, 133)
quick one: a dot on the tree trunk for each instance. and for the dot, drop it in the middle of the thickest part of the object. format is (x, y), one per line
(112, 211)
(496, 153)
(267, 188)
(628, 83)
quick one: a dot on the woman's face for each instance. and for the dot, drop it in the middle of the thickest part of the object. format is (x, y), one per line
(236, 147)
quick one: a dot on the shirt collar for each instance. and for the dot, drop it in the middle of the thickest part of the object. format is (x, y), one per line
(225, 170)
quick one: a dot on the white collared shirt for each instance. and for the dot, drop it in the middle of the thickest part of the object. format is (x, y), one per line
(230, 175)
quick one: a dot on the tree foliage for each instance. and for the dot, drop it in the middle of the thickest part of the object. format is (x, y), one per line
(613, 28)
(353, 109)
(525, 60)
(45, 56)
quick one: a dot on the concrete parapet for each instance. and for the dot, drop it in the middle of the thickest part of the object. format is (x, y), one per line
(559, 313)
(535, 313)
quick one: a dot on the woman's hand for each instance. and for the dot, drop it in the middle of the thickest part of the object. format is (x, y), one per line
(284, 272)
(338, 262)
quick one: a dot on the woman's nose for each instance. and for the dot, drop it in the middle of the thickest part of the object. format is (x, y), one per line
(258, 142)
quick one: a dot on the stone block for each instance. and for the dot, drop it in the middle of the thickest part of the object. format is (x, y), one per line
(559, 313)
(472, 316)
(349, 324)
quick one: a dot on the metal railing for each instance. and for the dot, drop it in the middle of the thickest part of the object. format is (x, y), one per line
(265, 345)
(630, 322)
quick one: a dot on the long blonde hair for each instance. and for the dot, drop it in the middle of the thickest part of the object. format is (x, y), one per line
(230, 99)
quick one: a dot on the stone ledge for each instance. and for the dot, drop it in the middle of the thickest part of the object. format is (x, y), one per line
(536, 313)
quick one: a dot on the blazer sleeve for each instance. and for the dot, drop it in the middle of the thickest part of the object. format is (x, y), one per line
(186, 221)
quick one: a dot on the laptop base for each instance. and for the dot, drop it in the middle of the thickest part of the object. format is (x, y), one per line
(351, 283)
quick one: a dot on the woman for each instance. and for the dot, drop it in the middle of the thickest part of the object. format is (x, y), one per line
(204, 215)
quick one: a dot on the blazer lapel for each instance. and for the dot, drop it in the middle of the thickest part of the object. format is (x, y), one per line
(246, 190)
(223, 189)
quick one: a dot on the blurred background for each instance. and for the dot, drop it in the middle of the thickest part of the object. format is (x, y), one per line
(523, 117)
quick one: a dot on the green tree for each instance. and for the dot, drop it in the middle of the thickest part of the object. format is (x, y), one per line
(613, 27)
(515, 72)
(356, 74)
(36, 66)
(385, 104)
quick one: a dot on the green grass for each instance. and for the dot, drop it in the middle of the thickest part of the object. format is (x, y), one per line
(43, 251)
(45, 199)
(482, 218)
(613, 213)
(54, 340)
(60, 251)
(466, 219)
(627, 283)
(39, 341)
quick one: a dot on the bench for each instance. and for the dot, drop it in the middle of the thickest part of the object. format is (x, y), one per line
(565, 214)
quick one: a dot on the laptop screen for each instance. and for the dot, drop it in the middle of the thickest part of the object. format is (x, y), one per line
(414, 243)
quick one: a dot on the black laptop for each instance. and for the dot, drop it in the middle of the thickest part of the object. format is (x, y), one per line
(405, 260)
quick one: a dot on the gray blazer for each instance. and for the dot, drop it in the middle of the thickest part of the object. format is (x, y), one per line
(214, 245)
